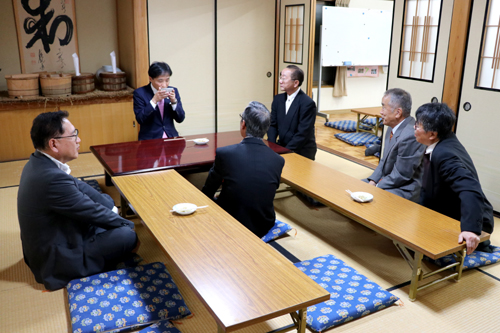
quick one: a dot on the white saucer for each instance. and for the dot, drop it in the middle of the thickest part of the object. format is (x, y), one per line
(202, 141)
(184, 208)
(362, 196)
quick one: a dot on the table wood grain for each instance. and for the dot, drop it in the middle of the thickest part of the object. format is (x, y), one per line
(417, 227)
(374, 111)
(240, 279)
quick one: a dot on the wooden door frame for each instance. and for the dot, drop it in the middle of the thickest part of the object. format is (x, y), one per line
(141, 42)
(459, 33)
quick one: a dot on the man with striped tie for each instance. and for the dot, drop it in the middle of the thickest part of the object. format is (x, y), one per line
(400, 170)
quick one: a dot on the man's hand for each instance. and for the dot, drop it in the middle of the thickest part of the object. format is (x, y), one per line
(160, 94)
(372, 183)
(470, 238)
(171, 96)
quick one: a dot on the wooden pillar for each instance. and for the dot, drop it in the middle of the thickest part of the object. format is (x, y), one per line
(312, 36)
(141, 40)
(456, 53)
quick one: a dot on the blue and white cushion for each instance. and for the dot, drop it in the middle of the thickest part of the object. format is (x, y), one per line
(345, 125)
(352, 295)
(473, 260)
(372, 121)
(279, 229)
(161, 327)
(124, 299)
(358, 139)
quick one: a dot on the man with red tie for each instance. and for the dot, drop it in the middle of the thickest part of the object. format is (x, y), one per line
(157, 105)
(399, 171)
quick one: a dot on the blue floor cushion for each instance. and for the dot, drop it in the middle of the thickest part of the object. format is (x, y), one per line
(279, 229)
(124, 299)
(358, 139)
(161, 327)
(94, 184)
(345, 125)
(473, 260)
(352, 295)
(371, 122)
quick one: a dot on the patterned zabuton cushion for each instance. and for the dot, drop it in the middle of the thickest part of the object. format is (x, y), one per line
(357, 139)
(345, 125)
(371, 121)
(94, 184)
(475, 259)
(124, 299)
(161, 327)
(279, 229)
(352, 295)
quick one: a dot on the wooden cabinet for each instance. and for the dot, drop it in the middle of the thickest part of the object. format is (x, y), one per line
(99, 120)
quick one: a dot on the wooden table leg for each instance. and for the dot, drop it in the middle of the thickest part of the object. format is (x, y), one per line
(107, 179)
(124, 207)
(416, 275)
(301, 328)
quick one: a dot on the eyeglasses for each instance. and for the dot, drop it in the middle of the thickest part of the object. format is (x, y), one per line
(241, 115)
(69, 136)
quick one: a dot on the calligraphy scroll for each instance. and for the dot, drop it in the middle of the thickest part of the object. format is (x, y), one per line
(46, 34)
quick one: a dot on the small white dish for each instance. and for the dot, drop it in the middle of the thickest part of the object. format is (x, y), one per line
(184, 208)
(361, 196)
(202, 141)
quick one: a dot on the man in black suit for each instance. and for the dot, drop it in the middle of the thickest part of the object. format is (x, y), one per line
(450, 183)
(293, 114)
(156, 107)
(68, 229)
(249, 172)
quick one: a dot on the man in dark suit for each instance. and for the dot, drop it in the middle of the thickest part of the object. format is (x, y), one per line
(156, 106)
(68, 229)
(249, 172)
(400, 169)
(293, 114)
(450, 184)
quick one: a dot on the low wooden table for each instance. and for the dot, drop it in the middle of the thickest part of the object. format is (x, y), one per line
(240, 279)
(181, 154)
(364, 113)
(408, 224)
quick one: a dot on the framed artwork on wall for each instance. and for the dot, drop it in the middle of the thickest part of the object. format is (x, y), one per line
(46, 35)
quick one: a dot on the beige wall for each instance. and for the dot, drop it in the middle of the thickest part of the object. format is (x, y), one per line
(181, 33)
(96, 27)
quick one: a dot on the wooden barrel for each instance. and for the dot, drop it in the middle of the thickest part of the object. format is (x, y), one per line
(113, 81)
(83, 83)
(22, 85)
(55, 85)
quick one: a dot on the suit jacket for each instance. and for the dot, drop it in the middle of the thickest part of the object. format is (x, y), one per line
(451, 187)
(152, 125)
(59, 215)
(250, 173)
(400, 169)
(295, 129)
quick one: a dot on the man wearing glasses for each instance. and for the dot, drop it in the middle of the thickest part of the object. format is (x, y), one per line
(68, 229)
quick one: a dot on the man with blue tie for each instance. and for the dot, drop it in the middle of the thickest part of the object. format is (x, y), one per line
(293, 114)
(157, 105)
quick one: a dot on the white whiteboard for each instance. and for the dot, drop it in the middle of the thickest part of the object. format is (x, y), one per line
(355, 36)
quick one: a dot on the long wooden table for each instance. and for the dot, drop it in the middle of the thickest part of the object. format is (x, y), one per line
(408, 224)
(240, 279)
(364, 113)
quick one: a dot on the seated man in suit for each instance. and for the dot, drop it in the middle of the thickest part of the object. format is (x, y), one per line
(249, 172)
(293, 114)
(156, 106)
(450, 184)
(68, 229)
(399, 171)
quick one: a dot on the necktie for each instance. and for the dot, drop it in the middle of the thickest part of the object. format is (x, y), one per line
(287, 104)
(390, 136)
(426, 163)
(161, 104)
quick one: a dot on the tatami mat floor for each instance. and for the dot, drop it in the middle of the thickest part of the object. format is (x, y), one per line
(470, 305)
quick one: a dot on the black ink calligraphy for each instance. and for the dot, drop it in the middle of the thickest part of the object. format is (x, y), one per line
(60, 58)
(41, 60)
(39, 28)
